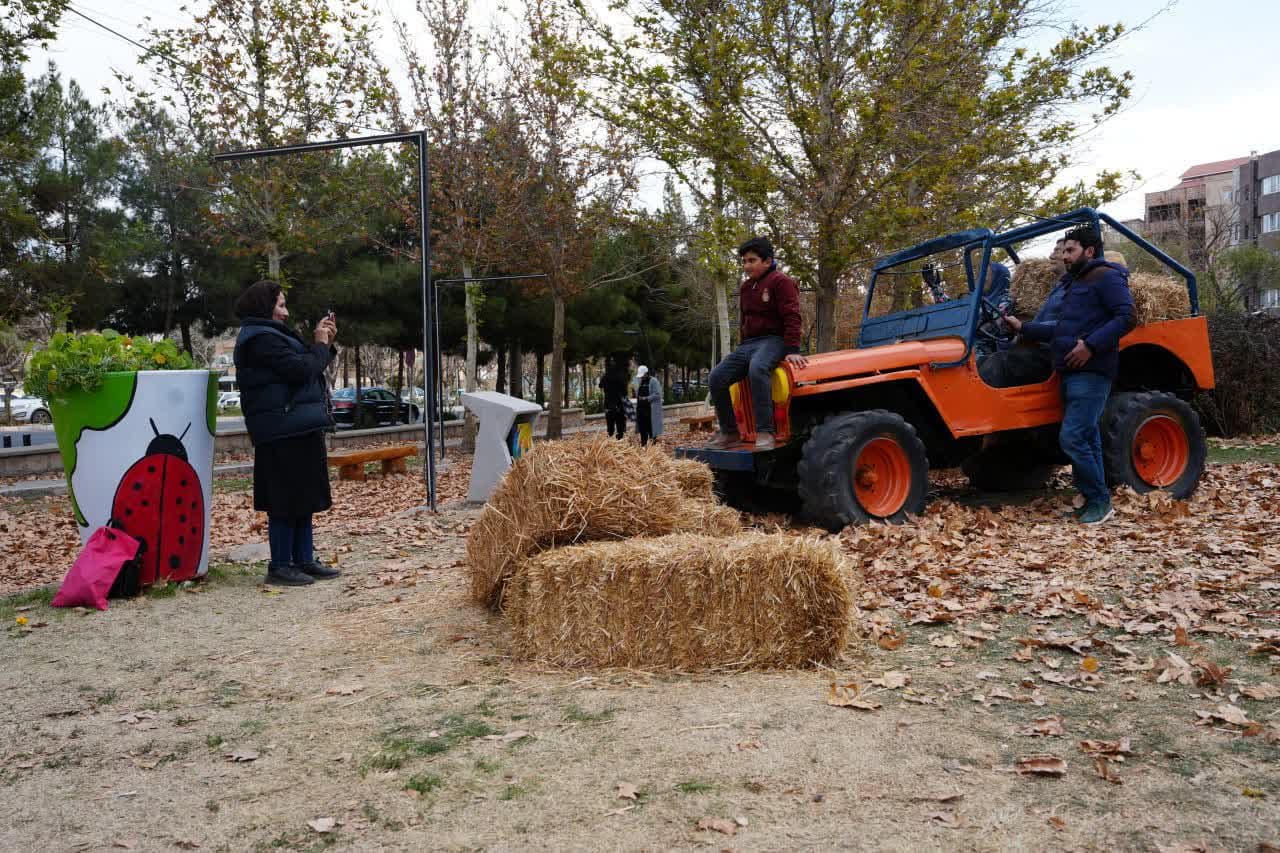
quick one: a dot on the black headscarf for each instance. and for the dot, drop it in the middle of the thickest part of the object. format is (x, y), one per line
(259, 300)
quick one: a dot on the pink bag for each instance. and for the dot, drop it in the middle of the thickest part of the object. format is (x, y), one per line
(95, 570)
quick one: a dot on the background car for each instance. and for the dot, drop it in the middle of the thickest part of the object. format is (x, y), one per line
(378, 406)
(27, 410)
(228, 400)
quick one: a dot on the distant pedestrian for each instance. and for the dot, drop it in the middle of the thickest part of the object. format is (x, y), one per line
(648, 406)
(283, 396)
(615, 382)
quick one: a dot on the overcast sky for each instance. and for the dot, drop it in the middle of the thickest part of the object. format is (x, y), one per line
(1207, 78)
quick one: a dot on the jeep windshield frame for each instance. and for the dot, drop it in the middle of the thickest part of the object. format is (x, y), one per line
(960, 317)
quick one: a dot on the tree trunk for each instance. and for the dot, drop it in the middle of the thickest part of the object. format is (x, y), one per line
(559, 376)
(825, 306)
(400, 390)
(470, 424)
(517, 370)
(501, 384)
(186, 336)
(273, 261)
(722, 297)
(540, 384)
(346, 368)
(355, 412)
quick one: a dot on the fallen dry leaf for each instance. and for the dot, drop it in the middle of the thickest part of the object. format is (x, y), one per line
(1102, 767)
(1057, 823)
(1107, 747)
(891, 640)
(1090, 664)
(892, 680)
(242, 755)
(719, 824)
(344, 690)
(1042, 764)
(626, 791)
(322, 824)
(949, 819)
(846, 696)
(1227, 714)
(1044, 727)
(1261, 692)
(509, 737)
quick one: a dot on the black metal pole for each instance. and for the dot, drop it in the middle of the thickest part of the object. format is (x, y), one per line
(428, 324)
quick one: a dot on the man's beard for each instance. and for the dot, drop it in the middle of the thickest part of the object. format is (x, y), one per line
(1078, 267)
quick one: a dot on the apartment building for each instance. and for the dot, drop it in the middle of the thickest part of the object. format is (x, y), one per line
(1200, 212)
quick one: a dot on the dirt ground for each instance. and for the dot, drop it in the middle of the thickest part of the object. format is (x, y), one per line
(383, 711)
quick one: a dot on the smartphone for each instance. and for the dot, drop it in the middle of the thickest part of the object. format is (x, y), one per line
(330, 314)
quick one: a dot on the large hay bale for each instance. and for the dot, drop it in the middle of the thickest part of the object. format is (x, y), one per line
(693, 477)
(1032, 281)
(579, 490)
(683, 602)
(1158, 297)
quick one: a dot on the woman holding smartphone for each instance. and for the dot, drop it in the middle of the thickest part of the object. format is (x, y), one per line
(283, 395)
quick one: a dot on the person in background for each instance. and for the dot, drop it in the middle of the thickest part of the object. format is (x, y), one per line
(648, 406)
(283, 396)
(614, 382)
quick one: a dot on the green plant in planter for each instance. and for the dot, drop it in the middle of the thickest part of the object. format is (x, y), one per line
(80, 362)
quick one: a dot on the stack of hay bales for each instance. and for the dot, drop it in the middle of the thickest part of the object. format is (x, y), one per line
(1158, 297)
(1155, 297)
(1032, 281)
(584, 490)
(601, 552)
(682, 602)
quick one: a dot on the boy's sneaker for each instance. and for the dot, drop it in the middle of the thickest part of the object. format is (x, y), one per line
(1096, 513)
(724, 440)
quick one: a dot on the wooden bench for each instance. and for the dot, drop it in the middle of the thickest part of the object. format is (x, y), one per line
(699, 423)
(350, 463)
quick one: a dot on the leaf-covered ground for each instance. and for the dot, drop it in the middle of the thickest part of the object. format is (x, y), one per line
(1019, 681)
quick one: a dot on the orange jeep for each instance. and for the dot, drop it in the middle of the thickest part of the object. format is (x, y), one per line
(858, 429)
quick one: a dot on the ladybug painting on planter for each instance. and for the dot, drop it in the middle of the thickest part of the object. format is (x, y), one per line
(159, 500)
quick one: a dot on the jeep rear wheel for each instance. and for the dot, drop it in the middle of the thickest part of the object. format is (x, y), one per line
(1152, 440)
(863, 466)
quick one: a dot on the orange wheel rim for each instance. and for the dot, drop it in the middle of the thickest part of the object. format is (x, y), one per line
(882, 477)
(1161, 451)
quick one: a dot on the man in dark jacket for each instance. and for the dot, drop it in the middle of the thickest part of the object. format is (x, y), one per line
(770, 304)
(1095, 312)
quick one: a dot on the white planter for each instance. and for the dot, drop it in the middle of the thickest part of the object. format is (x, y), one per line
(140, 449)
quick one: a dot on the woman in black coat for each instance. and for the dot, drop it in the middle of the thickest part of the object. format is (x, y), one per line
(284, 397)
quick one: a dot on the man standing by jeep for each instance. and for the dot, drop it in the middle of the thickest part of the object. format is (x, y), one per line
(1095, 312)
(769, 302)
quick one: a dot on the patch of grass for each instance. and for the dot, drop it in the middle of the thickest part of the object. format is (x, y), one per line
(34, 598)
(253, 727)
(214, 741)
(162, 590)
(512, 792)
(228, 693)
(406, 742)
(227, 571)
(486, 765)
(1257, 453)
(212, 806)
(575, 714)
(232, 484)
(423, 783)
(694, 786)
(106, 697)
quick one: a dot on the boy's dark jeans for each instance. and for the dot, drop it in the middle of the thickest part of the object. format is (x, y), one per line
(754, 359)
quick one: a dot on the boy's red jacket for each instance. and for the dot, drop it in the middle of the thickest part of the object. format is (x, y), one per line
(770, 305)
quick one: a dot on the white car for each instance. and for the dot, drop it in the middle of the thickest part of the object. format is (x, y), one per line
(228, 399)
(28, 410)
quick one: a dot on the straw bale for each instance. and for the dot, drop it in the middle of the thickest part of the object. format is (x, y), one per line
(693, 477)
(683, 602)
(578, 490)
(1158, 297)
(1115, 258)
(1032, 281)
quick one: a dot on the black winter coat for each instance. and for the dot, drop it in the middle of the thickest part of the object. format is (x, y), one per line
(281, 379)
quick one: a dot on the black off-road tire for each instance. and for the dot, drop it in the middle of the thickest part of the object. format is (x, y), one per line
(828, 461)
(1169, 419)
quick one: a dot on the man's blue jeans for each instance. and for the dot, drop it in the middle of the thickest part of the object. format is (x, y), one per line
(755, 359)
(1084, 395)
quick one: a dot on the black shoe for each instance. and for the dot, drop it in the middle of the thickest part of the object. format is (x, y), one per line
(315, 570)
(287, 576)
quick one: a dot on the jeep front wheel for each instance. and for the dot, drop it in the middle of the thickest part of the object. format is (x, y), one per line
(863, 466)
(1152, 440)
